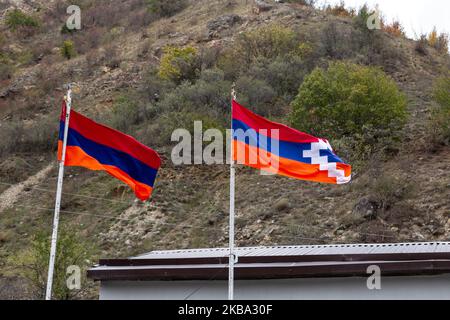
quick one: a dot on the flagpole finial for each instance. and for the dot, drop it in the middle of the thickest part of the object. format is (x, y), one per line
(233, 91)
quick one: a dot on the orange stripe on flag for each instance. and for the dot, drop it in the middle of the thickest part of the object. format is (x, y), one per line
(266, 161)
(76, 157)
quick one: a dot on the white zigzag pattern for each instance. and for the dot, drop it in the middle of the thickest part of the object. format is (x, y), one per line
(314, 154)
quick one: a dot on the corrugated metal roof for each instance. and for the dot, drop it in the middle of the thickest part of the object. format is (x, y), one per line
(338, 249)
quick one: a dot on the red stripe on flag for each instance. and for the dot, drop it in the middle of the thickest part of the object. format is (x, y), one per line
(113, 139)
(257, 123)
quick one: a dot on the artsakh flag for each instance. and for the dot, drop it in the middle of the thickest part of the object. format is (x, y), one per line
(278, 149)
(97, 147)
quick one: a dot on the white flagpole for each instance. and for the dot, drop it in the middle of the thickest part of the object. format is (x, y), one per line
(232, 257)
(51, 265)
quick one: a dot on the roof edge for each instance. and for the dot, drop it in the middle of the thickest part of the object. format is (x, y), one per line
(269, 271)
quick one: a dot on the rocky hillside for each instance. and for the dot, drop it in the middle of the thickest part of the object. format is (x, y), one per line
(401, 197)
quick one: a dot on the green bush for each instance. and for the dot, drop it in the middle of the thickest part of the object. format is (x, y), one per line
(441, 91)
(373, 46)
(128, 112)
(159, 132)
(359, 107)
(210, 94)
(267, 42)
(283, 74)
(33, 263)
(178, 64)
(40, 136)
(16, 19)
(164, 8)
(335, 41)
(256, 94)
(372, 144)
(68, 49)
(153, 87)
(439, 126)
(343, 99)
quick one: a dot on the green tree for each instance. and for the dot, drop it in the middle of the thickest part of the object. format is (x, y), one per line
(178, 64)
(33, 263)
(343, 99)
(359, 107)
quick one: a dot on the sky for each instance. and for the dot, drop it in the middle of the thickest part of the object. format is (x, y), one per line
(416, 16)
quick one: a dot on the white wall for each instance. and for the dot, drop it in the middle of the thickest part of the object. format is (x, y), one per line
(418, 287)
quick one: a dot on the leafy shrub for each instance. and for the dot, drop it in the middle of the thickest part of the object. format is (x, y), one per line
(211, 94)
(10, 133)
(68, 50)
(283, 74)
(335, 41)
(178, 64)
(16, 19)
(164, 8)
(373, 144)
(153, 87)
(343, 99)
(40, 136)
(363, 37)
(341, 41)
(267, 42)
(159, 132)
(128, 112)
(208, 57)
(257, 94)
(33, 263)
(169, 107)
(440, 120)
(441, 91)
(37, 137)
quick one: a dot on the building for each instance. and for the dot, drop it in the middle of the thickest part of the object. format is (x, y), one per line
(408, 271)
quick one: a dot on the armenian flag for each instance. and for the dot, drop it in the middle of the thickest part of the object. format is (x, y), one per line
(97, 147)
(279, 149)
